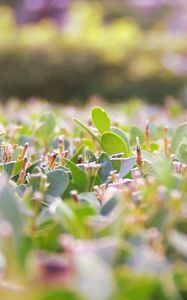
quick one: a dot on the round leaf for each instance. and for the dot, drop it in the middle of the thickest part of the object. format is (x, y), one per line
(100, 119)
(58, 182)
(113, 143)
(122, 134)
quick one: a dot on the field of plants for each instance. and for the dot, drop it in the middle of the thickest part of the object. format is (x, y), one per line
(74, 49)
(93, 180)
(93, 202)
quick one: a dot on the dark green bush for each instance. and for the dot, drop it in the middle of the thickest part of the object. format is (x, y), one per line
(76, 75)
(116, 60)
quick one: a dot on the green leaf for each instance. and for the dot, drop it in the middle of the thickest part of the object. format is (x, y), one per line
(9, 209)
(179, 136)
(113, 143)
(34, 181)
(109, 206)
(17, 167)
(158, 218)
(137, 132)
(84, 211)
(46, 126)
(105, 168)
(77, 153)
(9, 166)
(71, 186)
(183, 152)
(79, 178)
(90, 156)
(133, 286)
(21, 189)
(122, 134)
(58, 181)
(100, 119)
(35, 164)
(148, 156)
(65, 215)
(87, 129)
(147, 166)
(59, 294)
(116, 163)
(163, 170)
(153, 147)
(91, 199)
(24, 248)
(17, 152)
(126, 166)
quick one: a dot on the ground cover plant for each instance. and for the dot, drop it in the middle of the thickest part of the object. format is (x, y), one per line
(91, 207)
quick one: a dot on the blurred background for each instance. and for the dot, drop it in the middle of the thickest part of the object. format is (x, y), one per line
(67, 51)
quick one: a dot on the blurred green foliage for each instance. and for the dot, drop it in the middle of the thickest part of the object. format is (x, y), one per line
(89, 55)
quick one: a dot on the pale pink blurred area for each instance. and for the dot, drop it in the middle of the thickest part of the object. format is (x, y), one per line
(36, 10)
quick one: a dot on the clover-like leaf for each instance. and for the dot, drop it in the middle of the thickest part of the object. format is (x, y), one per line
(113, 143)
(58, 182)
(122, 134)
(100, 119)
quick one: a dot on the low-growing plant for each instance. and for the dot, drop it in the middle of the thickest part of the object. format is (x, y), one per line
(94, 212)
